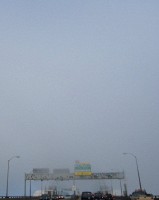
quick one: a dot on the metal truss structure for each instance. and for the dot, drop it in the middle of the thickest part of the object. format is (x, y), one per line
(71, 176)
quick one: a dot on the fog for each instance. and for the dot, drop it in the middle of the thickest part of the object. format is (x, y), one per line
(79, 81)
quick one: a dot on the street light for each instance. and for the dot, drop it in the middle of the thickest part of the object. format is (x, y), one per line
(136, 167)
(8, 173)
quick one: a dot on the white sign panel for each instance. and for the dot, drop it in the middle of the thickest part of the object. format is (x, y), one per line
(40, 171)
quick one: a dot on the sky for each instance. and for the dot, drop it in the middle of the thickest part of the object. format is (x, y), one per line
(79, 81)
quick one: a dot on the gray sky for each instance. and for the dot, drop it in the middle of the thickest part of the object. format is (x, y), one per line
(79, 81)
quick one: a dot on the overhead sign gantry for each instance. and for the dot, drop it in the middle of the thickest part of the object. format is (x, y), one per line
(82, 171)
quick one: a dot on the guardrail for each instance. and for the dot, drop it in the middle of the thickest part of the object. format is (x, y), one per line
(19, 197)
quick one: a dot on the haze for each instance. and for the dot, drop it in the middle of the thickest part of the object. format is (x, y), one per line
(79, 81)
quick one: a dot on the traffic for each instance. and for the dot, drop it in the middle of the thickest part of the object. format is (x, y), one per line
(84, 196)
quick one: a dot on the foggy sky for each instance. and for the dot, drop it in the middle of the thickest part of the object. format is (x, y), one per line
(79, 81)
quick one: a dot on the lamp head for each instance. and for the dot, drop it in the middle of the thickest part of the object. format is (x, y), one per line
(17, 156)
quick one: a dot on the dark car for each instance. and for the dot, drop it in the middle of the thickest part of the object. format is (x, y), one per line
(55, 197)
(60, 197)
(98, 196)
(44, 197)
(108, 197)
(87, 196)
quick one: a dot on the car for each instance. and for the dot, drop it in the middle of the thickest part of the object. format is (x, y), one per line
(44, 197)
(68, 194)
(87, 196)
(108, 196)
(60, 197)
(55, 197)
(98, 196)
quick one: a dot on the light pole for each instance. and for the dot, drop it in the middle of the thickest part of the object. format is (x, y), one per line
(8, 173)
(112, 182)
(136, 167)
